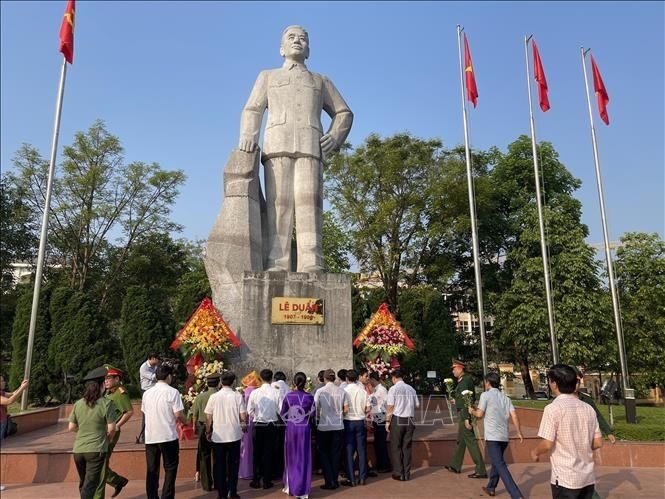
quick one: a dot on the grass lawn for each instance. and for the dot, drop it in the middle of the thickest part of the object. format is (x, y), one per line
(650, 420)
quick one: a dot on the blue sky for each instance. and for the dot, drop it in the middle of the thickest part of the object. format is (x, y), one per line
(170, 80)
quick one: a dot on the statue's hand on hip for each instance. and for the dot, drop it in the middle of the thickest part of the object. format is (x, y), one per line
(247, 145)
(328, 143)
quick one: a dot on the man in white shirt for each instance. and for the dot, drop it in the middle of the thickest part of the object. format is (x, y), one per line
(278, 461)
(162, 406)
(263, 408)
(378, 411)
(400, 422)
(147, 380)
(355, 433)
(331, 404)
(569, 429)
(341, 375)
(226, 417)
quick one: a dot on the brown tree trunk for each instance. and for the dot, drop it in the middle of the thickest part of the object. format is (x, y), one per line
(526, 375)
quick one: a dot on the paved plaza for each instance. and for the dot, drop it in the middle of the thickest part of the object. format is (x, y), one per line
(433, 482)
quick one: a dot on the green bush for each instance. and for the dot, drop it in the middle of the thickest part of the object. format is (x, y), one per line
(81, 340)
(425, 316)
(40, 374)
(145, 325)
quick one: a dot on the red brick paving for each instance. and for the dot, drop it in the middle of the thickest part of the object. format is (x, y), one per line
(533, 479)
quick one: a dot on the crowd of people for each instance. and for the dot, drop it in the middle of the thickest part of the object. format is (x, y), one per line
(268, 430)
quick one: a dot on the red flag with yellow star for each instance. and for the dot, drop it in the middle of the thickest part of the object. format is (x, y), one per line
(539, 76)
(67, 32)
(601, 92)
(471, 88)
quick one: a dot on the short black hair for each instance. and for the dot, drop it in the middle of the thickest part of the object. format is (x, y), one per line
(320, 376)
(493, 379)
(280, 376)
(351, 375)
(212, 382)
(163, 371)
(374, 375)
(266, 375)
(397, 373)
(362, 370)
(154, 355)
(228, 378)
(564, 376)
(329, 375)
(341, 374)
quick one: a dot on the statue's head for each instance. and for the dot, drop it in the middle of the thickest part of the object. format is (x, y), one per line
(295, 43)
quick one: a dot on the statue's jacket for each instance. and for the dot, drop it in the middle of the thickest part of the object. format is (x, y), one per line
(294, 98)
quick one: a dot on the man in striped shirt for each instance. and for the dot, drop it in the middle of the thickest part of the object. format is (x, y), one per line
(569, 429)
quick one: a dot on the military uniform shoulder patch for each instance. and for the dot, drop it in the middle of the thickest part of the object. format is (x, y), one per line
(122, 389)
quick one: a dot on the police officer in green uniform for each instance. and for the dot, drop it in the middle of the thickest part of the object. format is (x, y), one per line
(465, 436)
(204, 451)
(93, 419)
(117, 394)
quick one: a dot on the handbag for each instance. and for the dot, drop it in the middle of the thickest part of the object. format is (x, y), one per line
(12, 427)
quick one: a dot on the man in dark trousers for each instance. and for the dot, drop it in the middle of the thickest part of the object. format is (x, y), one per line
(466, 438)
(263, 408)
(400, 422)
(204, 449)
(378, 401)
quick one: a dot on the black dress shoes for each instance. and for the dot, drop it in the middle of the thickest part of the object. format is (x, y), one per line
(347, 483)
(268, 485)
(452, 470)
(372, 474)
(254, 485)
(327, 487)
(476, 475)
(119, 487)
(398, 478)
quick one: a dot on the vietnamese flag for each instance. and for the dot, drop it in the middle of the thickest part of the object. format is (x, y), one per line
(67, 32)
(539, 76)
(601, 92)
(471, 88)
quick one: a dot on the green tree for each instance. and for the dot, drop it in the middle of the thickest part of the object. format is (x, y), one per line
(40, 374)
(382, 193)
(640, 270)
(425, 315)
(95, 195)
(145, 325)
(80, 339)
(18, 229)
(336, 245)
(519, 298)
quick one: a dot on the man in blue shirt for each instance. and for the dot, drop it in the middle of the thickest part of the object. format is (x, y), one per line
(496, 409)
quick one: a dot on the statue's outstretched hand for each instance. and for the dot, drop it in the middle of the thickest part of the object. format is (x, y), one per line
(247, 145)
(328, 143)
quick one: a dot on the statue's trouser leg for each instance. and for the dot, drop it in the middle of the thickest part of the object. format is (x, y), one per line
(308, 194)
(279, 211)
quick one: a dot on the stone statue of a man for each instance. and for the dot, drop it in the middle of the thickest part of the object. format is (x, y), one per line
(293, 148)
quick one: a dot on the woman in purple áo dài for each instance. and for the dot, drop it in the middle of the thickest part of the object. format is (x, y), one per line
(297, 412)
(246, 471)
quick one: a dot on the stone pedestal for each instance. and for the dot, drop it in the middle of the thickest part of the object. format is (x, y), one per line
(287, 347)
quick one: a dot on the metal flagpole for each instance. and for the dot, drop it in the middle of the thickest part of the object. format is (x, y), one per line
(472, 209)
(43, 236)
(629, 394)
(541, 225)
